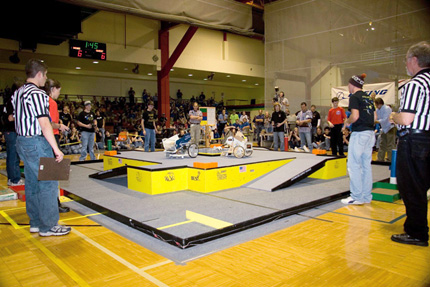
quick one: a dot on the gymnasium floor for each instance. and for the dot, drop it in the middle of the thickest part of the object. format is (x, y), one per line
(332, 245)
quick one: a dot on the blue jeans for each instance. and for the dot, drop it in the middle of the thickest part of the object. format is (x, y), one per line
(278, 137)
(150, 139)
(12, 160)
(306, 139)
(87, 140)
(41, 196)
(359, 165)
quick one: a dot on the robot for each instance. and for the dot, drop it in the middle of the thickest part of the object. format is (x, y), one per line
(238, 146)
(178, 147)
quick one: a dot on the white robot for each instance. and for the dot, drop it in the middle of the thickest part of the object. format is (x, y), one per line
(238, 146)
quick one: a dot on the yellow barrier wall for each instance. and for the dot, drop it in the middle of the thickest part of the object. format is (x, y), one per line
(333, 168)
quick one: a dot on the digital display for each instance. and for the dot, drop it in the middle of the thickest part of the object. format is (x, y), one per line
(87, 49)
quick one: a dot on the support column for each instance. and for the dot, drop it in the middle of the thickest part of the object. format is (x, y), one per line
(167, 63)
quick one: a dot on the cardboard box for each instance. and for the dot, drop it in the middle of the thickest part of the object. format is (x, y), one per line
(7, 194)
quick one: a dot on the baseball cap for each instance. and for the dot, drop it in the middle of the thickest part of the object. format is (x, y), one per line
(87, 103)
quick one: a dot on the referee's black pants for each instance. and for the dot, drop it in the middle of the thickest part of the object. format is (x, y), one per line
(336, 141)
(413, 181)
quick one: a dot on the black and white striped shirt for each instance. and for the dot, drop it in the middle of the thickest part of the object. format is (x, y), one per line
(29, 103)
(416, 99)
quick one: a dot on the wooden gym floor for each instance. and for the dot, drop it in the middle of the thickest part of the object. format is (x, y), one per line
(350, 246)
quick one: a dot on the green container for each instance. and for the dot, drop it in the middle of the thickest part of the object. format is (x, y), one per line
(109, 144)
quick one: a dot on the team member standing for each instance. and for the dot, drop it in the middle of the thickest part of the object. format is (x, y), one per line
(196, 117)
(279, 119)
(413, 150)
(87, 123)
(53, 88)
(149, 126)
(36, 140)
(388, 131)
(12, 159)
(361, 142)
(304, 118)
(335, 119)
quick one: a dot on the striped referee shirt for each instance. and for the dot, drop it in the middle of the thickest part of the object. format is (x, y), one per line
(29, 103)
(416, 99)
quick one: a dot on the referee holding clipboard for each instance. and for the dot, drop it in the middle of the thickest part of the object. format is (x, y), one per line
(35, 140)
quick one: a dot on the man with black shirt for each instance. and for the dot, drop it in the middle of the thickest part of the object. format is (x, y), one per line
(413, 150)
(87, 123)
(316, 120)
(100, 124)
(279, 118)
(362, 122)
(149, 127)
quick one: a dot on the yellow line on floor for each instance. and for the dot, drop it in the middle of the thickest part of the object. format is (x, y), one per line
(81, 216)
(48, 253)
(206, 220)
(156, 265)
(176, 224)
(16, 208)
(120, 259)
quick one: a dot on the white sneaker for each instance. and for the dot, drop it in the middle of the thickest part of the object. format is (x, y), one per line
(20, 182)
(34, 229)
(350, 200)
(296, 149)
(57, 230)
(306, 149)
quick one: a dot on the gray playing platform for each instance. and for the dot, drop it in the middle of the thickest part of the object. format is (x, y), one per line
(167, 213)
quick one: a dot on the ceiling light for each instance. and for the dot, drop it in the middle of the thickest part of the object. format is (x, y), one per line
(78, 68)
(125, 69)
(205, 79)
(190, 75)
(228, 76)
(95, 62)
(243, 80)
(373, 28)
(149, 74)
(370, 23)
(171, 70)
(256, 84)
(341, 34)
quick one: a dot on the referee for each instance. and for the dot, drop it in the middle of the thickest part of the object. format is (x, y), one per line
(35, 140)
(413, 150)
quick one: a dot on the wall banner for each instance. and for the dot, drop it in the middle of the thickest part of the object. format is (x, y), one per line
(386, 91)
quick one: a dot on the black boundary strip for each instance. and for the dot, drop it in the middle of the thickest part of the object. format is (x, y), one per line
(184, 243)
(159, 234)
(109, 173)
(208, 236)
(85, 161)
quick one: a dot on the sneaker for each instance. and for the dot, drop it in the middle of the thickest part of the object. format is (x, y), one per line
(350, 200)
(296, 149)
(63, 209)
(306, 149)
(57, 230)
(20, 182)
(34, 229)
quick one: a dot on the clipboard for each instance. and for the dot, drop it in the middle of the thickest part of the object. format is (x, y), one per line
(49, 169)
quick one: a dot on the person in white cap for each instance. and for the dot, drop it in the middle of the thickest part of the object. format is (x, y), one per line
(87, 123)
